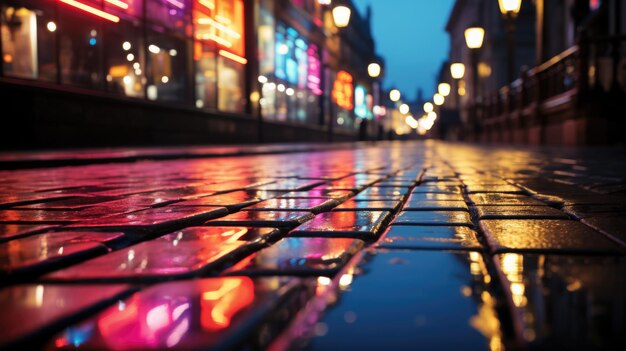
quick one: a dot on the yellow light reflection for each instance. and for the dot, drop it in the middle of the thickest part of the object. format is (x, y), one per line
(512, 267)
(486, 321)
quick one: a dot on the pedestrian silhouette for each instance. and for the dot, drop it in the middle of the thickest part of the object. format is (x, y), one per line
(363, 130)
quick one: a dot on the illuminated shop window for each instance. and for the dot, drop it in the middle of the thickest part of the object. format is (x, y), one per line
(298, 73)
(205, 58)
(124, 59)
(29, 35)
(205, 55)
(231, 58)
(80, 48)
(166, 69)
(219, 54)
(266, 57)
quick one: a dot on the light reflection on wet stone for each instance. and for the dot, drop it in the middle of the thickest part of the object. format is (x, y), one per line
(181, 253)
(214, 313)
(413, 299)
(291, 256)
(568, 302)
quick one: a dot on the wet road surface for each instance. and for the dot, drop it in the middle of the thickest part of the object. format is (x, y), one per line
(397, 246)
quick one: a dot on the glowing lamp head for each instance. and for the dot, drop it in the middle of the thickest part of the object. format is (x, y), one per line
(373, 69)
(341, 16)
(438, 99)
(428, 107)
(510, 7)
(324, 2)
(457, 70)
(51, 26)
(395, 95)
(444, 89)
(474, 37)
(404, 109)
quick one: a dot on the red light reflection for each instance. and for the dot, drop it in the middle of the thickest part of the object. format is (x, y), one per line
(163, 316)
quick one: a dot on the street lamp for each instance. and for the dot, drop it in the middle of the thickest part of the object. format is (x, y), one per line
(510, 6)
(443, 89)
(395, 95)
(457, 70)
(404, 109)
(341, 16)
(474, 37)
(428, 107)
(510, 9)
(438, 99)
(373, 69)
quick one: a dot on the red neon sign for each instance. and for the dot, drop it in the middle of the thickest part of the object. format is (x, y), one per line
(94, 11)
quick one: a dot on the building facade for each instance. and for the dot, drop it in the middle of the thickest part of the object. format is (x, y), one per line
(491, 58)
(568, 84)
(172, 71)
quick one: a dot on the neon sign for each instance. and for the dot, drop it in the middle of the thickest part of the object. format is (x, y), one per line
(314, 70)
(360, 104)
(343, 90)
(222, 24)
(94, 11)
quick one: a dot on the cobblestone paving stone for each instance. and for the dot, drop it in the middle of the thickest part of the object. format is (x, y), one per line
(387, 246)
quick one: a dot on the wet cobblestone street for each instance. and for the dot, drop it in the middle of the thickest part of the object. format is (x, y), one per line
(369, 246)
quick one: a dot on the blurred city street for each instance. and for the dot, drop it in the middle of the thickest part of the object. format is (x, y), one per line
(313, 175)
(370, 246)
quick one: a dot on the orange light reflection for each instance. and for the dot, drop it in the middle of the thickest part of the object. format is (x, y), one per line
(222, 299)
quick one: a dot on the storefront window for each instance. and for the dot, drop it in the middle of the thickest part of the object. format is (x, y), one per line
(266, 56)
(124, 59)
(205, 58)
(230, 85)
(205, 54)
(298, 70)
(29, 40)
(229, 26)
(80, 48)
(167, 68)
(219, 54)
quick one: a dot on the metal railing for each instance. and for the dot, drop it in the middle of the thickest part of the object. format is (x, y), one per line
(577, 73)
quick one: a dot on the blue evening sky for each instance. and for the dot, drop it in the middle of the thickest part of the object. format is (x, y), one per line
(411, 36)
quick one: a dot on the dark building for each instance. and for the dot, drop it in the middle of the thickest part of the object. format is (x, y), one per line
(568, 69)
(123, 72)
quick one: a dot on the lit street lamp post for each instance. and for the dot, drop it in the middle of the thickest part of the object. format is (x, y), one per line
(510, 9)
(474, 37)
(457, 71)
(341, 18)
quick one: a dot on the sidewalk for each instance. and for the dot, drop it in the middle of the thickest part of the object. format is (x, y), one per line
(387, 246)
